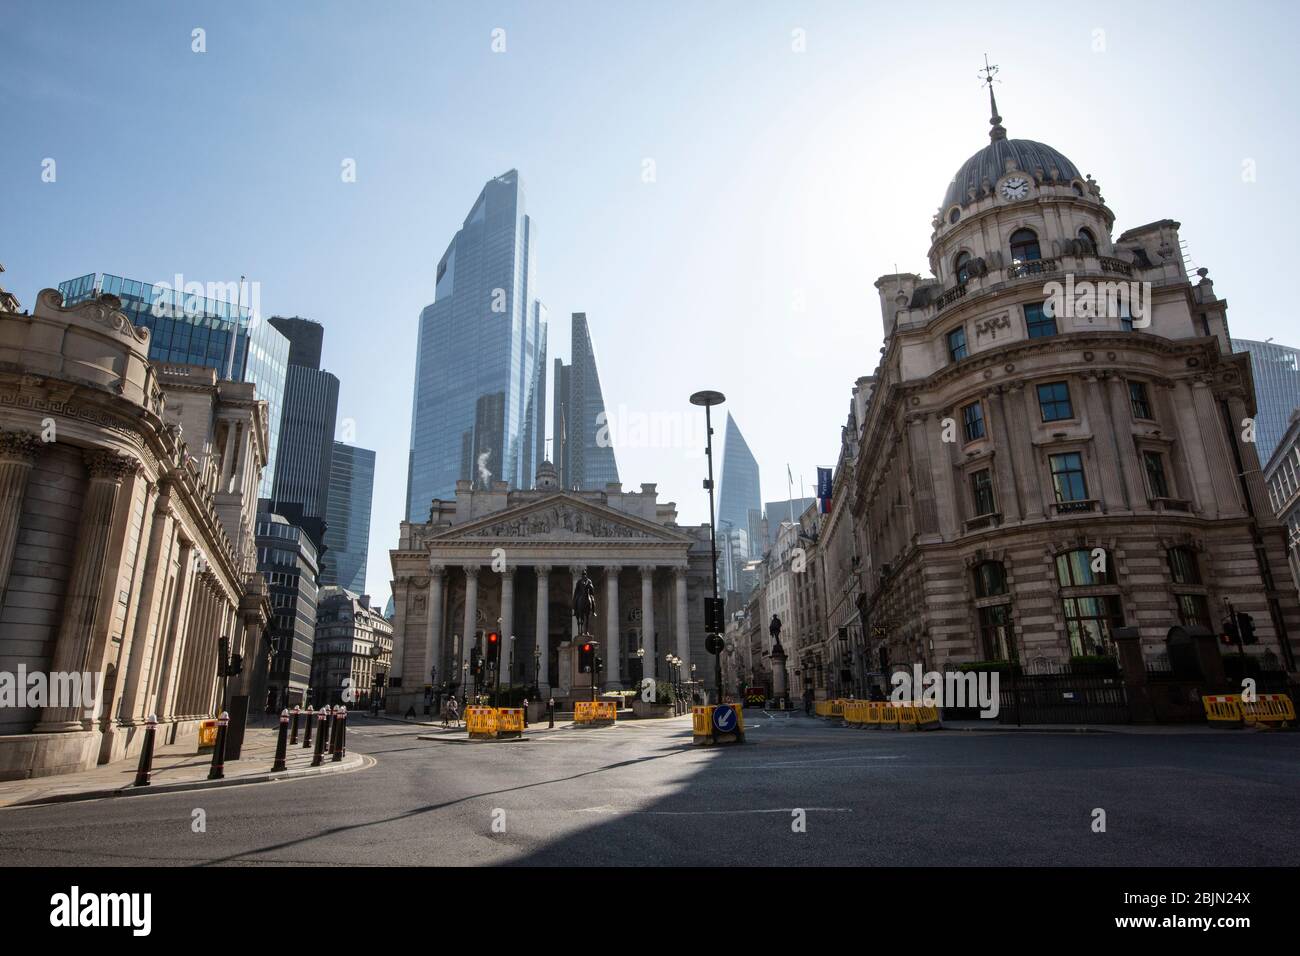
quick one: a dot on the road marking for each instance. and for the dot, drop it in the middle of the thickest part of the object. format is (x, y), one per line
(696, 813)
(809, 763)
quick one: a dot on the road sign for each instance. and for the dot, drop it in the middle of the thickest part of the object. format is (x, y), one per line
(715, 615)
(724, 719)
(714, 644)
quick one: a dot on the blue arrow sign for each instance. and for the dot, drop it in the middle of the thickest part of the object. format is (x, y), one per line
(724, 719)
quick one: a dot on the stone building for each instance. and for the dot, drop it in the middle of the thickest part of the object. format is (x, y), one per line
(354, 643)
(126, 496)
(1282, 476)
(507, 561)
(1036, 471)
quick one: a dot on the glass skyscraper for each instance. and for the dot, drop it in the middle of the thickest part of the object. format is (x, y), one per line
(347, 517)
(479, 404)
(584, 451)
(190, 329)
(311, 399)
(738, 495)
(1276, 369)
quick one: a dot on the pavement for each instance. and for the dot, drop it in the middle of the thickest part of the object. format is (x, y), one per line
(798, 792)
(177, 767)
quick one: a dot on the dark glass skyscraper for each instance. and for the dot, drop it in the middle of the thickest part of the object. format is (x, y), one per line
(584, 450)
(1276, 369)
(347, 517)
(738, 494)
(479, 405)
(190, 329)
(311, 399)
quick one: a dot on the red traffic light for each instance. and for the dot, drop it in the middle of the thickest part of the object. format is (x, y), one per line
(492, 638)
(586, 648)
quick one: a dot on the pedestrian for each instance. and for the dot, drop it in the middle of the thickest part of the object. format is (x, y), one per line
(525, 711)
(446, 713)
(410, 712)
(455, 710)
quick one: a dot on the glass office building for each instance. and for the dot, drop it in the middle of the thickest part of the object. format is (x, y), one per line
(190, 329)
(347, 517)
(738, 494)
(479, 404)
(584, 451)
(1276, 369)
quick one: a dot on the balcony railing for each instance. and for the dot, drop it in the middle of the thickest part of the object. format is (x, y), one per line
(1075, 507)
(1111, 264)
(1032, 267)
(949, 297)
(980, 522)
(1170, 504)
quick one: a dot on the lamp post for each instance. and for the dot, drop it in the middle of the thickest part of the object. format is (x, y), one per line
(672, 679)
(537, 667)
(708, 399)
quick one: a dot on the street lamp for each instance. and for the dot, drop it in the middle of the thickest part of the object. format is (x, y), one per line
(708, 399)
(672, 677)
(537, 668)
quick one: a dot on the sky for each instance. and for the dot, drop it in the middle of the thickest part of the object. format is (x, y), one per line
(717, 185)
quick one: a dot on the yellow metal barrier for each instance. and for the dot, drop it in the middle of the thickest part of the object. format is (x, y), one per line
(906, 716)
(927, 718)
(822, 708)
(855, 713)
(837, 708)
(510, 721)
(481, 722)
(889, 716)
(1222, 708)
(873, 714)
(207, 735)
(1268, 709)
(594, 711)
(702, 722)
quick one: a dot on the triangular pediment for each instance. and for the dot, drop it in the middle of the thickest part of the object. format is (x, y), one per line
(561, 517)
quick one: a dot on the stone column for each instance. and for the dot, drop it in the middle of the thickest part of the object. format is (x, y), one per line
(155, 576)
(105, 470)
(613, 641)
(434, 611)
(651, 659)
(471, 611)
(506, 651)
(543, 625)
(18, 452)
(683, 622)
(166, 664)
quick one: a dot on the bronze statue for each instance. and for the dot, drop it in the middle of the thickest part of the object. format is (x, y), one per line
(584, 602)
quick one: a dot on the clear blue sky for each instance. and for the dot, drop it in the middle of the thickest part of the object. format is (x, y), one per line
(781, 176)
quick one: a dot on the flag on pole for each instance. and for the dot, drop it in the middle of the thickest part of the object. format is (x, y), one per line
(824, 483)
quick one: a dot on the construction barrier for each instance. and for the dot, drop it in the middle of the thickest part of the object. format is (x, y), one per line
(207, 735)
(510, 721)
(481, 722)
(594, 712)
(702, 725)
(1222, 709)
(888, 717)
(855, 713)
(906, 716)
(927, 718)
(1268, 709)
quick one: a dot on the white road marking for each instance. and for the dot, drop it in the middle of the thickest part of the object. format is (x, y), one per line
(697, 813)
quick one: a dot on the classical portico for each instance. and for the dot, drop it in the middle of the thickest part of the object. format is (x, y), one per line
(508, 561)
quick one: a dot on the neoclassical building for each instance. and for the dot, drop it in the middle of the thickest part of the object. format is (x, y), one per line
(1030, 478)
(354, 643)
(127, 496)
(507, 561)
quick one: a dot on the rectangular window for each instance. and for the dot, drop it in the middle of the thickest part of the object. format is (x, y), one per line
(973, 421)
(957, 344)
(995, 633)
(981, 485)
(1068, 480)
(1154, 463)
(1054, 402)
(1090, 622)
(1137, 396)
(1039, 321)
(1194, 611)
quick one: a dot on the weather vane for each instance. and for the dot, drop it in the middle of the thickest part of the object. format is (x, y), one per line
(989, 72)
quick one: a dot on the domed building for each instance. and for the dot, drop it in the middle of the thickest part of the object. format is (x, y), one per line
(1055, 463)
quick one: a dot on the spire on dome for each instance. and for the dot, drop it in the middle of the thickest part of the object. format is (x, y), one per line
(998, 131)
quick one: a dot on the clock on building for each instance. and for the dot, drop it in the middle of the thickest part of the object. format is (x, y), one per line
(1017, 187)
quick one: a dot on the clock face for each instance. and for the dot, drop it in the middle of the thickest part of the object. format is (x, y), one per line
(1016, 187)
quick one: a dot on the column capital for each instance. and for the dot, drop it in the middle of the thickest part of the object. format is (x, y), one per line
(108, 465)
(436, 570)
(647, 569)
(679, 574)
(471, 570)
(20, 447)
(542, 569)
(507, 572)
(614, 570)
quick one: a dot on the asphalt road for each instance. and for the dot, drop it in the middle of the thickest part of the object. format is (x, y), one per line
(641, 794)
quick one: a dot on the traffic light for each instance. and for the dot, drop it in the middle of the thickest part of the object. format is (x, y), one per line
(493, 647)
(476, 662)
(1246, 627)
(1229, 631)
(600, 665)
(586, 657)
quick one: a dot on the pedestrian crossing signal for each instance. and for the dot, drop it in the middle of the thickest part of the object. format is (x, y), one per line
(493, 647)
(586, 657)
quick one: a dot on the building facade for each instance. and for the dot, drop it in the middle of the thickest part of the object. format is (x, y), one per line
(354, 645)
(584, 450)
(187, 328)
(311, 399)
(1276, 371)
(125, 491)
(1282, 477)
(738, 495)
(508, 561)
(1035, 472)
(347, 517)
(289, 558)
(479, 405)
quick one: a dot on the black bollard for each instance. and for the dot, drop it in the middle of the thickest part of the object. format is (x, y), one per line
(293, 737)
(145, 767)
(306, 731)
(341, 723)
(282, 745)
(322, 716)
(218, 770)
(550, 709)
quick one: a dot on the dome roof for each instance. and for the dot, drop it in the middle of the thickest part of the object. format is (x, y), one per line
(991, 163)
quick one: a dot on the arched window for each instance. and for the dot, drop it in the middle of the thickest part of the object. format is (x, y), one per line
(1088, 241)
(961, 267)
(1084, 567)
(1024, 246)
(990, 579)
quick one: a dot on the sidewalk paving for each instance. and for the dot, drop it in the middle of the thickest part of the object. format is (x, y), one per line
(177, 767)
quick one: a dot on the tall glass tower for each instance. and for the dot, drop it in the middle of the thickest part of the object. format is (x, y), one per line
(190, 329)
(479, 406)
(738, 495)
(1276, 369)
(584, 453)
(347, 517)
